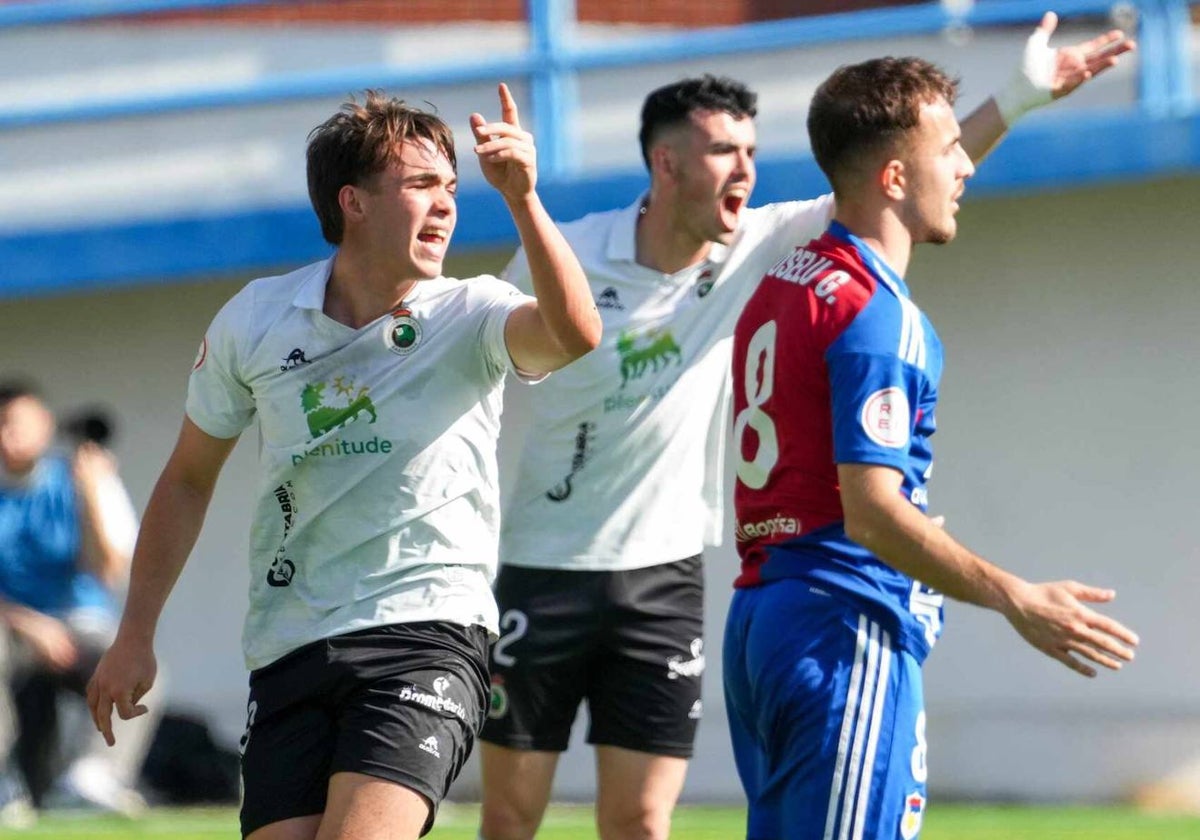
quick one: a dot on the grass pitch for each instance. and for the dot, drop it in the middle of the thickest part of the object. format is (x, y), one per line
(459, 822)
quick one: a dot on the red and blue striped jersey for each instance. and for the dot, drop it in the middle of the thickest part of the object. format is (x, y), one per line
(833, 363)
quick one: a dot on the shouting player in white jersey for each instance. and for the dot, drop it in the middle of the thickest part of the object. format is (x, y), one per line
(836, 374)
(601, 585)
(377, 385)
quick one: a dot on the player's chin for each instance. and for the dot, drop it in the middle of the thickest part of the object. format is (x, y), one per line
(724, 229)
(942, 234)
(427, 269)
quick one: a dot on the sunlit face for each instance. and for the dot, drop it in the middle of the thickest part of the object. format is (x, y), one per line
(409, 211)
(713, 173)
(26, 431)
(936, 169)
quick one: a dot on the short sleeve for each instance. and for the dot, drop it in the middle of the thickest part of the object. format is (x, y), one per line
(218, 401)
(787, 224)
(499, 299)
(874, 397)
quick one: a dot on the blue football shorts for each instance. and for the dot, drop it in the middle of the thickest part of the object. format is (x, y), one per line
(827, 718)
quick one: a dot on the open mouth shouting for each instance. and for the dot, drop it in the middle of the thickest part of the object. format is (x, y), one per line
(435, 240)
(732, 203)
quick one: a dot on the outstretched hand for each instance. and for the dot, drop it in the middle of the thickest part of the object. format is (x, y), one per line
(506, 152)
(1045, 74)
(1075, 64)
(122, 678)
(1054, 618)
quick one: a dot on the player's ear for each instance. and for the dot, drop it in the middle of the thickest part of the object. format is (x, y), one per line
(350, 203)
(893, 180)
(663, 161)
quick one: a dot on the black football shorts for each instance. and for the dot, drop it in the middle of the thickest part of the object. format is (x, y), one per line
(402, 702)
(630, 643)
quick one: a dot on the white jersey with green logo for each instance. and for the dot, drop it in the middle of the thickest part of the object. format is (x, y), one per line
(378, 502)
(623, 463)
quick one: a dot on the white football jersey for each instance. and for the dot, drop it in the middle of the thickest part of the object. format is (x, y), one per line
(623, 463)
(378, 502)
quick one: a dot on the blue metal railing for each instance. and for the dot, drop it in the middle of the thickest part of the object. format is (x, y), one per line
(552, 61)
(67, 11)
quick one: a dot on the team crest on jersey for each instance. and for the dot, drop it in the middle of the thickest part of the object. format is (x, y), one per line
(201, 354)
(402, 334)
(885, 417)
(914, 815)
(704, 283)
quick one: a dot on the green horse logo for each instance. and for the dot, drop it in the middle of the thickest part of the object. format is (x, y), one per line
(651, 351)
(323, 418)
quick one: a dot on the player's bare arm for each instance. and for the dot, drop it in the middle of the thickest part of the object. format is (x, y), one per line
(1052, 617)
(1044, 74)
(563, 324)
(169, 530)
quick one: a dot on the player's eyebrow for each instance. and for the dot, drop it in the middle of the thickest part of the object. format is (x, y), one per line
(429, 176)
(721, 146)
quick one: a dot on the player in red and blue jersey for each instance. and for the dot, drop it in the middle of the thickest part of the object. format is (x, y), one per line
(836, 376)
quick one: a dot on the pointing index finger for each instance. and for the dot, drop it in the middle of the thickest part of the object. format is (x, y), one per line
(508, 106)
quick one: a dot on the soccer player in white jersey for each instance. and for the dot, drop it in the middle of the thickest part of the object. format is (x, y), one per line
(601, 588)
(377, 385)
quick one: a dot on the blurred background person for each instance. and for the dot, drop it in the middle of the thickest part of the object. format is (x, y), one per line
(67, 529)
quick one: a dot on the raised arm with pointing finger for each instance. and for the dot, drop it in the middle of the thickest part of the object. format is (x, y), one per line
(377, 385)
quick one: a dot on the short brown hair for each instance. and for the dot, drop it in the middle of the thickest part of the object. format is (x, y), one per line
(357, 143)
(866, 108)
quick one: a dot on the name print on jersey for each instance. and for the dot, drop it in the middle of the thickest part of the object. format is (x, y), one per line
(803, 265)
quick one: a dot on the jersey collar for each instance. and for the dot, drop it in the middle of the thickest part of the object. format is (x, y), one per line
(311, 294)
(873, 261)
(622, 237)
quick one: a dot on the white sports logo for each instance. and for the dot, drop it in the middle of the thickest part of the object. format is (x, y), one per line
(886, 418)
(430, 745)
(436, 702)
(678, 667)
